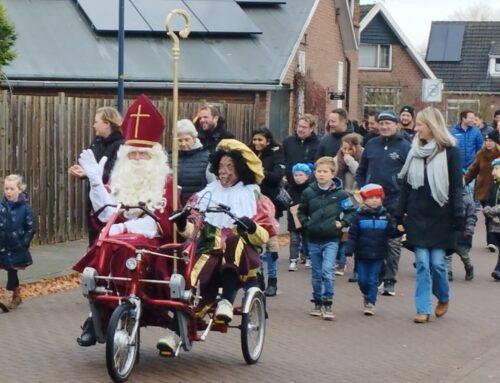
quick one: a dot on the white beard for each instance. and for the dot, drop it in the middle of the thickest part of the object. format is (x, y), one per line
(134, 181)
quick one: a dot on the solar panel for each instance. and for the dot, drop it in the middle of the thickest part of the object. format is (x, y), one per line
(222, 16)
(155, 12)
(445, 42)
(103, 16)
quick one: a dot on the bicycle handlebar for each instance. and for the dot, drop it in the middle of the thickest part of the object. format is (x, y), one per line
(141, 206)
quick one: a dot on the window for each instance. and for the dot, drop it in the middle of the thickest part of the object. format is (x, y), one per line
(376, 99)
(373, 56)
(494, 69)
(454, 107)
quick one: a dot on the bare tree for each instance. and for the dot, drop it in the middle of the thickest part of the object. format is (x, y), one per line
(480, 10)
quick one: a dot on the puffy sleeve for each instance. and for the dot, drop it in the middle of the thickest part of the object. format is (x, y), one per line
(267, 226)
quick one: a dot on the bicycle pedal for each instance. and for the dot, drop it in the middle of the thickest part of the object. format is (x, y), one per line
(166, 354)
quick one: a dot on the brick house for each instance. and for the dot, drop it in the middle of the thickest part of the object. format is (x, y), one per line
(390, 68)
(466, 56)
(283, 57)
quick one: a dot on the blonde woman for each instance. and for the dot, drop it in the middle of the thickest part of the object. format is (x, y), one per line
(107, 141)
(431, 208)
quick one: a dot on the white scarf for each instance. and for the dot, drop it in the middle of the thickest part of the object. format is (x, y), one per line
(240, 198)
(437, 169)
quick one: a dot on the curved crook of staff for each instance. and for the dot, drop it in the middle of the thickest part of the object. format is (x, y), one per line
(184, 33)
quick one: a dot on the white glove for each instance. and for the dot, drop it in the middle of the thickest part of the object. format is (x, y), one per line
(117, 228)
(93, 170)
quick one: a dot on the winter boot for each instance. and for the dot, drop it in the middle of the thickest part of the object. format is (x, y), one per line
(271, 287)
(16, 299)
(469, 272)
(87, 337)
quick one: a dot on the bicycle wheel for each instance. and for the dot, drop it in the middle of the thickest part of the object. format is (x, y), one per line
(253, 329)
(121, 348)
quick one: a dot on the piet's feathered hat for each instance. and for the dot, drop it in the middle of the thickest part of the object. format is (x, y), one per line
(253, 162)
(143, 124)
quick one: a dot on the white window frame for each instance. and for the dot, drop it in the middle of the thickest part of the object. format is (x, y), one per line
(377, 68)
(455, 106)
(368, 107)
(494, 69)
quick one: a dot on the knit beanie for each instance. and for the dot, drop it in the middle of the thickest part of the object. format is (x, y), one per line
(497, 113)
(493, 136)
(302, 167)
(495, 162)
(408, 108)
(387, 115)
(372, 190)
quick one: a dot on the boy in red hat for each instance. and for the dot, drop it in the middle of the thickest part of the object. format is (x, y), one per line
(368, 240)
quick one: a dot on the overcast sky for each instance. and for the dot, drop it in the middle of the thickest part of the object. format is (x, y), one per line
(414, 16)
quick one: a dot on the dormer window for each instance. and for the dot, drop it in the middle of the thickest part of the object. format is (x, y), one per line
(375, 56)
(495, 66)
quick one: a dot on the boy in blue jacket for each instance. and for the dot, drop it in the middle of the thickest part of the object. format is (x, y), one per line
(325, 208)
(369, 234)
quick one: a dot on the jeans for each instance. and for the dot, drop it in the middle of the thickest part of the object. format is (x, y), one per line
(463, 253)
(341, 254)
(272, 264)
(368, 274)
(298, 243)
(392, 261)
(323, 261)
(430, 263)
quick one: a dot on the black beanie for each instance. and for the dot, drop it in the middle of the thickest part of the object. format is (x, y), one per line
(408, 108)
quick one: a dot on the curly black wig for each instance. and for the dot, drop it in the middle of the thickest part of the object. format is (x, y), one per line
(243, 172)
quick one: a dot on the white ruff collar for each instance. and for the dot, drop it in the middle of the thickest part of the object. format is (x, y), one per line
(240, 198)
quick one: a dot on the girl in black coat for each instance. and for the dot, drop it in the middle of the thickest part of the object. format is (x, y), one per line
(431, 207)
(271, 155)
(17, 227)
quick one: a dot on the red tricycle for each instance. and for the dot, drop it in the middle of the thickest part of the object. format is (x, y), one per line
(126, 292)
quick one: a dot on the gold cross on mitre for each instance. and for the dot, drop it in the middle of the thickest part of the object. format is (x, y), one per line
(138, 115)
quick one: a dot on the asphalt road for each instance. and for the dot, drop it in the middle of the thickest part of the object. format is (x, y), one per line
(38, 339)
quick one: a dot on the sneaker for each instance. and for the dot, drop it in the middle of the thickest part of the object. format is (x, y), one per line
(369, 309)
(302, 260)
(340, 269)
(224, 311)
(469, 273)
(308, 264)
(389, 289)
(450, 276)
(317, 311)
(292, 266)
(168, 344)
(353, 278)
(328, 312)
(491, 247)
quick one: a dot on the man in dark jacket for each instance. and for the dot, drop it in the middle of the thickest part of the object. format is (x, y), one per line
(407, 120)
(302, 146)
(210, 126)
(382, 160)
(337, 127)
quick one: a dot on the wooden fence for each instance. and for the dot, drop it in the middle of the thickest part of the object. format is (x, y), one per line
(41, 136)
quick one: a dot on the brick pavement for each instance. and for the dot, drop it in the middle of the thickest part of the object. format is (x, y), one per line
(38, 339)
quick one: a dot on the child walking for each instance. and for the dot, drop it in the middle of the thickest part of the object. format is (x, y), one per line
(492, 212)
(369, 234)
(17, 227)
(325, 208)
(464, 238)
(301, 174)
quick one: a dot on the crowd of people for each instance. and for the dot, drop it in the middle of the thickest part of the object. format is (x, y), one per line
(361, 192)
